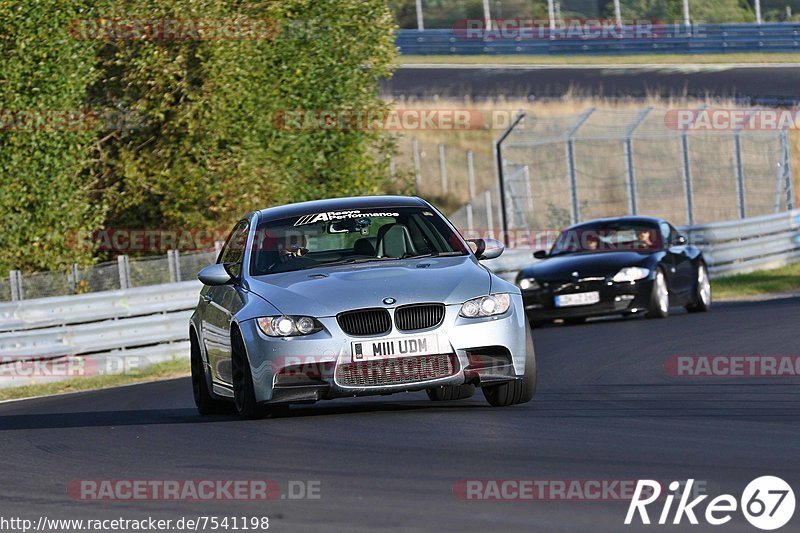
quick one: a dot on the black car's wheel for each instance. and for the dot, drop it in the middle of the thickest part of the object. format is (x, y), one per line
(206, 404)
(518, 391)
(659, 296)
(701, 299)
(451, 392)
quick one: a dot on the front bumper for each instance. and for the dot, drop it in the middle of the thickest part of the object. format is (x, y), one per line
(310, 368)
(615, 298)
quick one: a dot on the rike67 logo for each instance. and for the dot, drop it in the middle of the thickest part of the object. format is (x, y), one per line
(767, 503)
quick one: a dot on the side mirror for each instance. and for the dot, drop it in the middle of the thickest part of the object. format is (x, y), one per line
(679, 240)
(215, 275)
(540, 254)
(487, 248)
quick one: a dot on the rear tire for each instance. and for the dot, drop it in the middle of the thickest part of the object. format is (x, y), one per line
(701, 299)
(659, 296)
(451, 392)
(206, 404)
(517, 391)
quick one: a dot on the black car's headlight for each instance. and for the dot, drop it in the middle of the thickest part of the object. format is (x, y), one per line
(494, 304)
(631, 274)
(288, 326)
(528, 284)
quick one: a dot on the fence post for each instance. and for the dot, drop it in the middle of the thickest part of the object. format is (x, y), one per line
(173, 260)
(630, 176)
(124, 272)
(443, 168)
(73, 277)
(487, 198)
(575, 211)
(392, 168)
(417, 172)
(526, 174)
(15, 280)
(471, 174)
(687, 178)
(737, 162)
(470, 221)
(787, 170)
(499, 164)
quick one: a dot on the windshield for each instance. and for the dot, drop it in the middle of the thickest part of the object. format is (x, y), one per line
(608, 237)
(352, 236)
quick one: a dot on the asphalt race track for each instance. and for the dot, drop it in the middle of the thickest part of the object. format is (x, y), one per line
(772, 84)
(605, 410)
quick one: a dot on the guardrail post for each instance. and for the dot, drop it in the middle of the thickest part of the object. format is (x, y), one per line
(443, 168)
(575, 211)
(15, 280)
(124, 272)
(417, 171)
(630, 176)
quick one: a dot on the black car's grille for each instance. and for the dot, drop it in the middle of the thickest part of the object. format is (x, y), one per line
(395, 371)
(365, 322)
(422, 316)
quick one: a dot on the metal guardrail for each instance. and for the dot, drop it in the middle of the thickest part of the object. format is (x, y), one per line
(150, 320)
(668, 39)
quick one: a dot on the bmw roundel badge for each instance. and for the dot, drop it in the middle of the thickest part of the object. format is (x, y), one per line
(389, 301)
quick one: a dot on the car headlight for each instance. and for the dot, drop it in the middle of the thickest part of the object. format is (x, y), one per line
(631, 274)
(528, 284)
(288, 326)
(494, 304)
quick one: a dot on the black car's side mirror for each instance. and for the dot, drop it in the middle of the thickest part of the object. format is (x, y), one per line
(540, 254)
(679, 240)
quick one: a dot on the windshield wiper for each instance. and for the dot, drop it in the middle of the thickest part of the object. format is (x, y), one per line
(435, 254)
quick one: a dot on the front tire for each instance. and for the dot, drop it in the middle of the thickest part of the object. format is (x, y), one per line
(517, 391)
(659, 296)
(451, 392)
(244, 394)
(206, 404)
(701, 299)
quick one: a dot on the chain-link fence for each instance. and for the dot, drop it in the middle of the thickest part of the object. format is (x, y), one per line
(121, 274)
(565, 169)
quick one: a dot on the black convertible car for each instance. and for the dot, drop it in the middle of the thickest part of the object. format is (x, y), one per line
(628, 265)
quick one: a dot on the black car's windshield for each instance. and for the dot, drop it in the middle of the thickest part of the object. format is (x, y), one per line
(608, 237)
(352, 236)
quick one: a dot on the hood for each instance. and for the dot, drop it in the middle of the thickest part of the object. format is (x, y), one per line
(327, 291)
(595, 264)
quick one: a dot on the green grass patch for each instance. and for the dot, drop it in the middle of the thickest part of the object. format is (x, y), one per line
(165, 370)
(776, 281)
(684, 60)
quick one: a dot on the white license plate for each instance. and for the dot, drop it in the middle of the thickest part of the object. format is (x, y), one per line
(396, 347)
(581, 298)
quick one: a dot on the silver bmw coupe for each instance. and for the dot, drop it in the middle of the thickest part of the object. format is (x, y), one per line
(353, 297)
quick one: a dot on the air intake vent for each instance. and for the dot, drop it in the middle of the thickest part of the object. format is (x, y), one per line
(415, 317)
(365, 322)
(395, 371)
